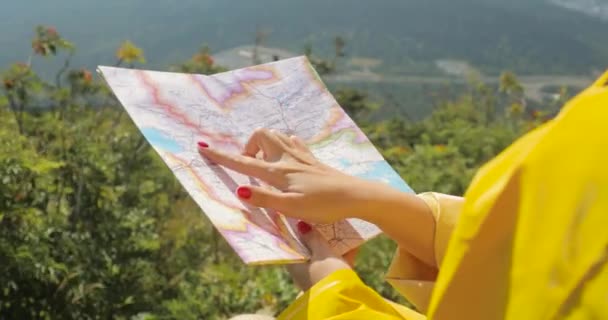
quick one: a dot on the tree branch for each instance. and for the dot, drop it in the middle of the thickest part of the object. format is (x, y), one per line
(66, 65)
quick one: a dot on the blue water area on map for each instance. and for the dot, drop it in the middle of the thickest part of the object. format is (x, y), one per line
(159, 140)
(345, 162)
(383, 171)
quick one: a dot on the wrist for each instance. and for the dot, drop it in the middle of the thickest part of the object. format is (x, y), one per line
(404, 217)
(371, 198)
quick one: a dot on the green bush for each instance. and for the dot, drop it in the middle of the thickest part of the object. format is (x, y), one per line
(94, 226)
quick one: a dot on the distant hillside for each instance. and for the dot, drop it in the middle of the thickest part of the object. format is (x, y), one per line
(594, 8)
(528, 36)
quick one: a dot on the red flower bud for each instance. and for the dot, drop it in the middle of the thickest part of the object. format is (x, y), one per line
(535, 114)
(8, 84)
(209, 60)
(38, 47)
(52, 31)
(20, 196)
(86, 76)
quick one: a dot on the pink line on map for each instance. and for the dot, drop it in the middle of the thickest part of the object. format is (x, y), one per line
(344, 122)
(199, 180)
(222, 91)
(209, 191)
(231, 234)
(175, 113)
(340, 121)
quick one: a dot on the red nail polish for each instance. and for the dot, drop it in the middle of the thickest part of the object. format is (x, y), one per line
(203, 145)
(304, 227)
(243, 192)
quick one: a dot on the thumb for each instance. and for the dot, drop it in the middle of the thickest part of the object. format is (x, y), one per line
(323, 260)
(318, 246)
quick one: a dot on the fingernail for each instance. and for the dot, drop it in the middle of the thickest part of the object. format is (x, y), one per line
(243, 192)
(304, 227)
(203, 145)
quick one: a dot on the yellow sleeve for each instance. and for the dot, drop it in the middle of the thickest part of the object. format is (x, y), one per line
(410, 276)
(342, 295)
(531, 241)
(446, 210)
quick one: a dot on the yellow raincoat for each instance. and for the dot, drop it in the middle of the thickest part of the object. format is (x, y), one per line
(531, 240)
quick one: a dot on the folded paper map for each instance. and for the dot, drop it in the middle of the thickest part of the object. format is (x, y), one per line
(174, 111)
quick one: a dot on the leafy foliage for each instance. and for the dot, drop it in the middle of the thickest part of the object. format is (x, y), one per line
(48, 41)
(130, 53)
(202, 62)
(94, 226)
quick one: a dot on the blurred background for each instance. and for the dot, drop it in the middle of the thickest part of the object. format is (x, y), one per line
(93, 225)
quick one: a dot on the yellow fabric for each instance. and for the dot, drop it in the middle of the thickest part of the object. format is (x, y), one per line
(446, 211)
(410, 276)
(342, 295)
(530, 242)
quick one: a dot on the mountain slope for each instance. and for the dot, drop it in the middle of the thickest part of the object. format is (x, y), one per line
(594, 8)
(525, 36)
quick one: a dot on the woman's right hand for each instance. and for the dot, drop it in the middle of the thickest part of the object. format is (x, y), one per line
(304, 187)
(308, 190)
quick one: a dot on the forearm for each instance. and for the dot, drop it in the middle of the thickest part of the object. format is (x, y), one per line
(404, 217)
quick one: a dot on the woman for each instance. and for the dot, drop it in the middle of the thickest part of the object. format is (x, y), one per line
(529, 243)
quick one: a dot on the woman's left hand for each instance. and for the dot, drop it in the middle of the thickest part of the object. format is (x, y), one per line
(323, 262)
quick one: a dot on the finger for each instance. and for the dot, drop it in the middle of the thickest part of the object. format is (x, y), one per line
(300, 272)
(351, 256)
(318, 246)
(285, 139)
(239, 163)
(323, 261)
(266, 198)
(300, 144)
(262, 140)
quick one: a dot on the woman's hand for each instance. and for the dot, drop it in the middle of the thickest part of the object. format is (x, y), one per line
(309, 190)
(323, 261)
(305, 188)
